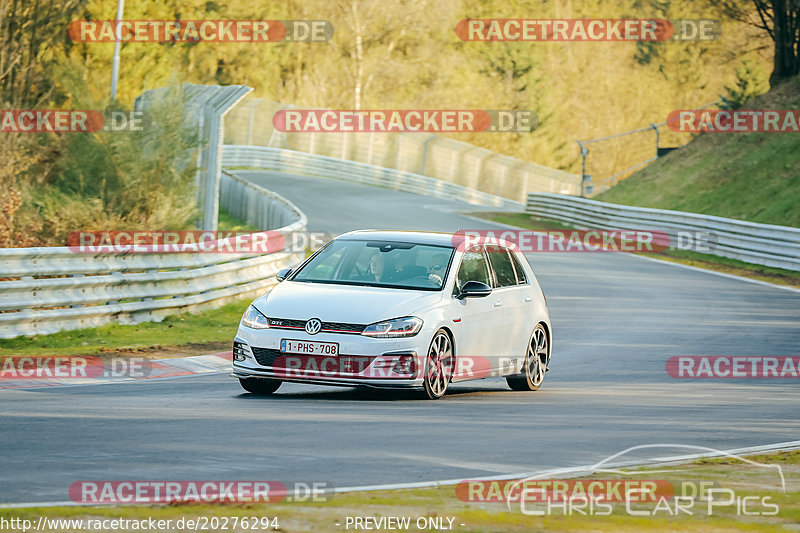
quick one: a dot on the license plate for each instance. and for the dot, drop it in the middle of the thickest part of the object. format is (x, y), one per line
(309, 348)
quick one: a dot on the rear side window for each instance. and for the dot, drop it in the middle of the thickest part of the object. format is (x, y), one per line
(501, 264)
(521, 277)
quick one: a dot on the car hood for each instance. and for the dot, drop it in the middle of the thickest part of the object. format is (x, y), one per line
(342, 303)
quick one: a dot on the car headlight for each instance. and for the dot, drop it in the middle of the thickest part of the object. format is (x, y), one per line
(397, 327)
(253, 318)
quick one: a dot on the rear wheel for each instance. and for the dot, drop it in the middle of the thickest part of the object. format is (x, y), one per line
(536, 360)
(438, 366)
(260, 386)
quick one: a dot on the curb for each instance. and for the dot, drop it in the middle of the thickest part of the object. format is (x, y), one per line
(158, 369)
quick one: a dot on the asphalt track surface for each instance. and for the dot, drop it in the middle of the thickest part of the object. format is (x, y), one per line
(616, 319)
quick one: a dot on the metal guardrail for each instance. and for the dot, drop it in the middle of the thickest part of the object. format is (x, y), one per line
(760, 244)
(256, 205)
(204, 108)
(423, 154)
(306, 164)
(79, 290)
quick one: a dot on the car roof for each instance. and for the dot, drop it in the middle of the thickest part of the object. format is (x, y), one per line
(417, 237)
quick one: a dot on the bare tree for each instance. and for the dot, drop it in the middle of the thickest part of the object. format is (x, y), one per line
(780, 19)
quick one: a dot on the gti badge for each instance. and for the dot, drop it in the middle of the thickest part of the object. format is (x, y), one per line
(313, 326)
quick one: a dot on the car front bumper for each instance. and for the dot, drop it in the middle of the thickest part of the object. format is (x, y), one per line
(363, 361)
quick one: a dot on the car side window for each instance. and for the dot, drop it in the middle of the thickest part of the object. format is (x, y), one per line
(501, 264)
(521, 278)
(473, 268)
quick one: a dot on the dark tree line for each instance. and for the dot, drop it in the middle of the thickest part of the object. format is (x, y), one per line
(780, 19)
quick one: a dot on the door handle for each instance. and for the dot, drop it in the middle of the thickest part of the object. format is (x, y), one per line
(498, 303)
(528, 299)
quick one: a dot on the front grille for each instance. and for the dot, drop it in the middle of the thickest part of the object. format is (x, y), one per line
(284, 323)
(345, 363)
(327, 327)
(342, 327)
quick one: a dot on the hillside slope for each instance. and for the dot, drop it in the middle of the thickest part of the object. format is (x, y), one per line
(753, 176)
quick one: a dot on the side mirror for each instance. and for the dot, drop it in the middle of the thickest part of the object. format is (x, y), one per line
(283, 274)
(474, 289)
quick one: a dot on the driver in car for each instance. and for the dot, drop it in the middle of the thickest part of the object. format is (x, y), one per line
(376, 267)
(436, 270)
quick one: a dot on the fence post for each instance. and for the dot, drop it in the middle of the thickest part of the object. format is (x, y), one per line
(658, 137)
(586, 179)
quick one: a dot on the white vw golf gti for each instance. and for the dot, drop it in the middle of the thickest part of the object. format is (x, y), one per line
(400, 309)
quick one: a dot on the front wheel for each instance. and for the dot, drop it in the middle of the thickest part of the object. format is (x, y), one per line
(260, 386)
(438, 366)
(535, 362)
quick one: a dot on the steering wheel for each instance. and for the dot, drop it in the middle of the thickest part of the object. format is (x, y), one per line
(426, 277)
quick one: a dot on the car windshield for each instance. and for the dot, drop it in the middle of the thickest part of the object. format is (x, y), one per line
(390, 264)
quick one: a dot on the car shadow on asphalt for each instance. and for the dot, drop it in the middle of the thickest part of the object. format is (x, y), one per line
(373, 395)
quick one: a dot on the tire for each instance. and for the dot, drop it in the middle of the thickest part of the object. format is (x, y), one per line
(536, 361)
(439, 365)
(262, 387)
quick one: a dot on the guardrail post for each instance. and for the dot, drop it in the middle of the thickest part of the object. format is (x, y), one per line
(71, 306)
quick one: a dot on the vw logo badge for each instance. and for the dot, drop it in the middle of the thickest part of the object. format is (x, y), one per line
(313, 326)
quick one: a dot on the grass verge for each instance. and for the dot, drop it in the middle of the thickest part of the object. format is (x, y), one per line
(176, 336)
(760, 485)
(746, 176)
(777, 276)
(227, 222)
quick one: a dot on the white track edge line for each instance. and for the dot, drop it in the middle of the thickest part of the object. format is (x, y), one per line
(574, 471)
